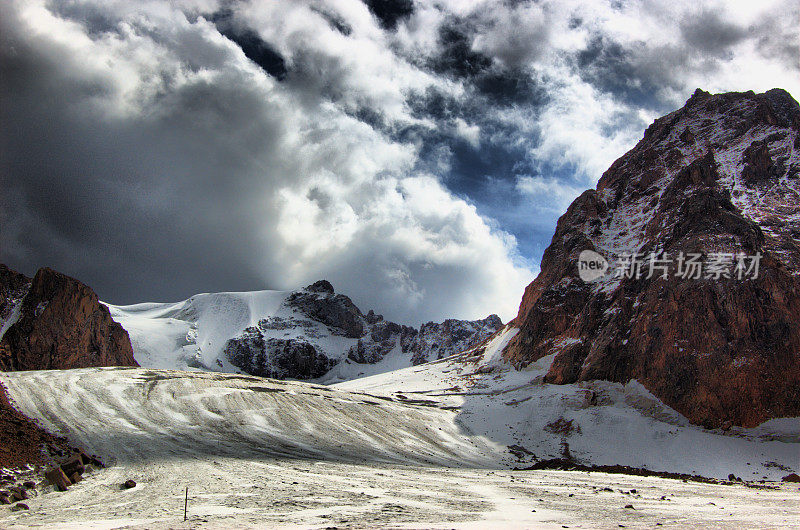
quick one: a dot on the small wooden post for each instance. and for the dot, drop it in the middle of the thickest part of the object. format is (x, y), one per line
(186, 504)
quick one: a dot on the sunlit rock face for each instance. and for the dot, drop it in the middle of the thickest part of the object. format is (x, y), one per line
(53, 321)
(700, 226)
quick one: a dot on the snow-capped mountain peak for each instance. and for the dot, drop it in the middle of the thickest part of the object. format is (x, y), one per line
(311, 333)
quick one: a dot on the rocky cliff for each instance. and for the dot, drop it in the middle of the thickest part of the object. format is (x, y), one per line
(690, 266)
(53, 321)
(315, 329)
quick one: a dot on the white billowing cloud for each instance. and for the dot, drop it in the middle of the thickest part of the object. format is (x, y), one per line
(517, 36)
(470, 133)
(586, 129)
(275, 180)
(414, 233)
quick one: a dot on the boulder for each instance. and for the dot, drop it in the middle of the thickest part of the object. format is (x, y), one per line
(128, 484)
(73, 465)
(792, 477)
(18, 493)
(57, 478)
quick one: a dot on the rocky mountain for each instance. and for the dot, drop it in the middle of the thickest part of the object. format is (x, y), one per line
(311, 333)
(682, 269)
(438, 340)
(53, 321)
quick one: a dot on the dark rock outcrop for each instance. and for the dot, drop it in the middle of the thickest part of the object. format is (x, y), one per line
(438, 340)
(22, 441)
(716, 180)
(319, 302)
(321, 286)
(58, 322)
(277, 358)
(294, 347)
(13, 287)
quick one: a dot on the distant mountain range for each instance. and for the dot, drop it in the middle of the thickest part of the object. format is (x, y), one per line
(54, 321)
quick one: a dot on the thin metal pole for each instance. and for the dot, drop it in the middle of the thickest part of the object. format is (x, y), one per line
(186, 503)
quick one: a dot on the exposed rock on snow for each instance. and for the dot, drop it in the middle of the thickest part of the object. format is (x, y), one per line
(436, 341)
(276, 358)
(539, 422)
(334, 310)
(55, 321)
(718, 178)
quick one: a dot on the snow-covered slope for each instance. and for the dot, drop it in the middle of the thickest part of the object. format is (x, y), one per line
(512, 409)
(256, 453)
(127, 415)
(192, 334)
(602, 423)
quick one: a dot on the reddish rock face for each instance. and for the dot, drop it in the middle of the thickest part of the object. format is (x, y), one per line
(56, 323)
(720, 175)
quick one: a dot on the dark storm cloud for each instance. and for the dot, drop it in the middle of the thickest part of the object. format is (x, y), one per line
(252, 45)
(93, 196)
(455, 54)
(631, 72)
(390, 12)
(511, 86)
(709, 33)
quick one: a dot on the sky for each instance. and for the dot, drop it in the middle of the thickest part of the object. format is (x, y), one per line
(416, 154)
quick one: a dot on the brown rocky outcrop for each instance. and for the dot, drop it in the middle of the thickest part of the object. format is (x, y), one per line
(22, 441)
(716, 178)
(57, 322)
(13, 287)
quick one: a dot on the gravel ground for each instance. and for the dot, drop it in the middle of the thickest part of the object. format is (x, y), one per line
(235, 493)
